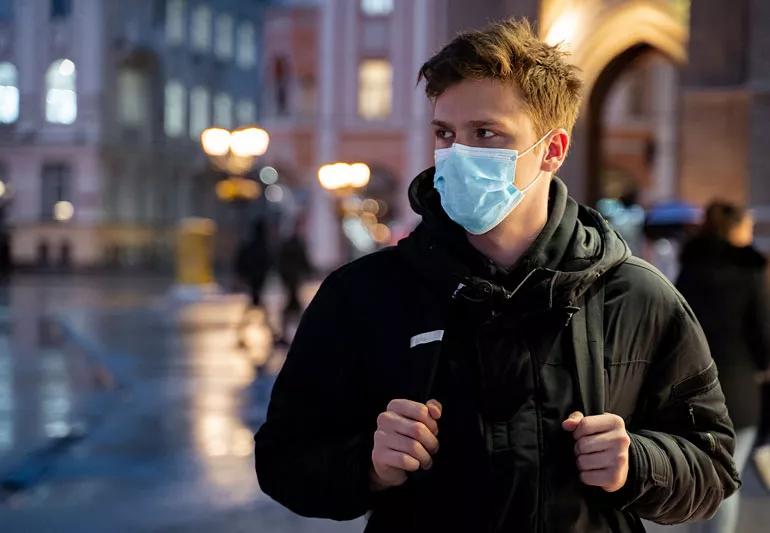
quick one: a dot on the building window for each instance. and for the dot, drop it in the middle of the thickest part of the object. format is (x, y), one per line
(375, 89)
(223, 43)
(281, 77)
(61, 98)
(55, 189)
(61, 8)
(174, 112)
(9, 93)
(376, 8)
(246, 112)
(175, 23)
(6, 9)
(223, 111)
(247, 46)
(201, 29)
(132, 97)
(199, 111)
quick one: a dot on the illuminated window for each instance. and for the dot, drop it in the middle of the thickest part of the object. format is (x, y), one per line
(223, 46)
(61, 98)
(175, 23)
(9, 93)
(246, 112)
(223, 111)
(199, 111)
(375, 88)
(247, 47)
(174, 112)
(132, 97)
(377, 7)
(201, 29)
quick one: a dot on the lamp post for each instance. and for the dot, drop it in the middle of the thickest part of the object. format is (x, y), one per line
(234, 153)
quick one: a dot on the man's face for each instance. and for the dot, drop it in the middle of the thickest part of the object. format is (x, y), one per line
(490, 114)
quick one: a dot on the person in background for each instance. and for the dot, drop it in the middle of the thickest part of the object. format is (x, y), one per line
(723, 279)
(253, 262)
(293, 267)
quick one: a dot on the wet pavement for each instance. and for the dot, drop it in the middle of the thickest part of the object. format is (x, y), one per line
(123, 410)
(120, 411)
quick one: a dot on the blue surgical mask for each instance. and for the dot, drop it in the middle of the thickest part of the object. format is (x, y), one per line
(477, 185)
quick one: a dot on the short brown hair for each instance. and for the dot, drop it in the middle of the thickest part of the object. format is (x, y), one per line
(511, 52)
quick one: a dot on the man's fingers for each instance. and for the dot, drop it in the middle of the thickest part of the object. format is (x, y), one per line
(415, 411)
(595, 443)
(434, 409)
(591, 425)
(391, 422)
(609, 479)
(399, 460)
(594, 461)
(399, 443)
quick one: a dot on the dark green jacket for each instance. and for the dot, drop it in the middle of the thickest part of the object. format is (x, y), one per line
(509, 469)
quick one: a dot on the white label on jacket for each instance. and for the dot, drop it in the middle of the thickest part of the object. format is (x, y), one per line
(425, 338)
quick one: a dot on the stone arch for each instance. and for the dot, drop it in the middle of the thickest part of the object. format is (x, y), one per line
(589, 29)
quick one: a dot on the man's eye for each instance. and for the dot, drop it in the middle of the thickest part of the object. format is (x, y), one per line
(483, 133)
(443, 134)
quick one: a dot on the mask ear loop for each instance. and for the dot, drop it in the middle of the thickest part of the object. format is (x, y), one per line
(525, 152)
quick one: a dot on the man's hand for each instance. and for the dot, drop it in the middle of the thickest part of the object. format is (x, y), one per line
(405, 441)
(601, 448)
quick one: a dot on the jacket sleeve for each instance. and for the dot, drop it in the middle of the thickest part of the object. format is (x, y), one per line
(758, 322)
(313, 453)
(682, 439)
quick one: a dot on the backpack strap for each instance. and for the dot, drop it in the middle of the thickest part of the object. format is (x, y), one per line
(588, 342)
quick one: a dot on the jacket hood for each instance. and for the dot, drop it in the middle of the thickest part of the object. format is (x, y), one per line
(705, 250)
(574, 249)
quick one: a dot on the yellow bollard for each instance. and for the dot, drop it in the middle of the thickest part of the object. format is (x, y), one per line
(195, 252)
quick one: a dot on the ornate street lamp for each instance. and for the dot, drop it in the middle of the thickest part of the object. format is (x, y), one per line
(235, 152)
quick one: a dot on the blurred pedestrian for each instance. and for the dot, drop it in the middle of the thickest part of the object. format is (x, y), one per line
(293, 267)
(723, 279)
(253, 263)
(509, 366)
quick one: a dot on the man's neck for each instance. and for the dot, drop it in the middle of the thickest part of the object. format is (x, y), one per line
(507, 242)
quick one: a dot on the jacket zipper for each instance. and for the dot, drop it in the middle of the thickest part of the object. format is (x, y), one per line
(540, 525)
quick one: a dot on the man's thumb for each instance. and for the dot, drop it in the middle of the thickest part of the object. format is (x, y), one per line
(573, 421)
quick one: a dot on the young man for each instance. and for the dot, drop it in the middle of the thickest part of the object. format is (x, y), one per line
(508, 366)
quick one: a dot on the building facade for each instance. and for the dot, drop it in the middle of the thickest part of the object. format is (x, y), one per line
(102, 105)
(340, 85)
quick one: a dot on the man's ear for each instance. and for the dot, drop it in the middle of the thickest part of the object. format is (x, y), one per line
(556, 146)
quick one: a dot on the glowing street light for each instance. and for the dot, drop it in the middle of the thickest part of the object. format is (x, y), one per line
(63, 211)
(235, 153)
(249, 142)
(344, 177)
(215, 141)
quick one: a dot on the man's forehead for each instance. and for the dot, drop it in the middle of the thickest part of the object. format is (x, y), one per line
(479, 101)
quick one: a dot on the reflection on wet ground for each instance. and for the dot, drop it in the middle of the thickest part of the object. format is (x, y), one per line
(121, 411)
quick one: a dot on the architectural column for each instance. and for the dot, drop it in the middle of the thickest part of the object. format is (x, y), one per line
(324, 233)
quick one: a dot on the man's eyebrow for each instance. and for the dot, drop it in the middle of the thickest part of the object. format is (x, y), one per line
(483, 123)
(441, 124)
(472, 123)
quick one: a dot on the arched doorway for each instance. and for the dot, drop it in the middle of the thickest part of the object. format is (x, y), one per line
(607, 41)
